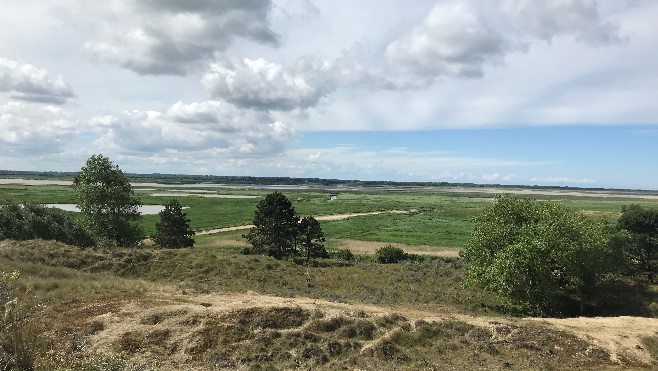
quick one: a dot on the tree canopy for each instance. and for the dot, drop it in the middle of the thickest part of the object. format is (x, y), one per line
(108, 203)
(312, 238)
(642, 226)
(279, 232)
(532, 251)
(275, 228)
(173, 230)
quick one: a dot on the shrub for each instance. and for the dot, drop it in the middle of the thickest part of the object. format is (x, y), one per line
(344, 254)
(32, 221)
(390, 255)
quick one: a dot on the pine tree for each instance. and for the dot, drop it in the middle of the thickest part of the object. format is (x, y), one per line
(275, 228)
(173, 230)
(312, 238)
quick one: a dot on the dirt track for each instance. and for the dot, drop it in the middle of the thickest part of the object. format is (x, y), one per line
(324, 217)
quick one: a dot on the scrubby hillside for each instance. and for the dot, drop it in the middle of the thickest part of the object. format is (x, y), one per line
(201, 309)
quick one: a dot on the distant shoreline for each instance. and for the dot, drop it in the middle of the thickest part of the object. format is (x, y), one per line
(475, 189)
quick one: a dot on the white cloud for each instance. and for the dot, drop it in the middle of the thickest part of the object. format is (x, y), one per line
(462, 38)
(211, 126)
(27, 128)
(171, 37)
(562, 180)
(30, 83)
(497, 177)
(452, 40)
(548, 19)
(263, 85)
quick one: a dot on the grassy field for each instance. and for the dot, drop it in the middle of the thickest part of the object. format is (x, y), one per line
(435, 219)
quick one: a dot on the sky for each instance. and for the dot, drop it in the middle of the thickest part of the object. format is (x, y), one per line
(555, 92)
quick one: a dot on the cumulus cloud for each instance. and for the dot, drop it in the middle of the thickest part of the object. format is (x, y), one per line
(455, 39)
(30, 128)
(200, 126)
(261, 85)
(168, 37)
(452, 40)
(548, 19)
(30, 83)
(462, 38)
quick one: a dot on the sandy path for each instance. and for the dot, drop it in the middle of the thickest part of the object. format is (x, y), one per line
(370, 247)
(324, 217)
(620, 336)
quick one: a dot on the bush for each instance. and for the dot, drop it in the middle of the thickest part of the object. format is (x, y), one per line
(344, 254)
(390, 255)
(32, 221)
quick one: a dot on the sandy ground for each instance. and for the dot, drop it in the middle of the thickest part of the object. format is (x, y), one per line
(369, 247)
(620, 336)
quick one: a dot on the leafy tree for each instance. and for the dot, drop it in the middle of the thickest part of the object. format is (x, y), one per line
(312, 238)
(108, 203)
(532, 251)
(173, 230)
(30, 221)
(275, 228)
(642, 226)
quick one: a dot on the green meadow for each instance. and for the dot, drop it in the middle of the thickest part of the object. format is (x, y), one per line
(432, 217)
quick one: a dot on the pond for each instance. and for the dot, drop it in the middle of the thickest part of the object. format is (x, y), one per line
(144, 209)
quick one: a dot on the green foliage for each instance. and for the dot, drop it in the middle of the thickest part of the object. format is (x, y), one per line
(30, 221)
(275, 228)
(312, 238)
(173, 230)
(108, 203)
(642, 227)
(390, 255)
(533, 251)
(343, 254)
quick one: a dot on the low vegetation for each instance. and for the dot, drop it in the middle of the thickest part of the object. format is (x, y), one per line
(31, 221)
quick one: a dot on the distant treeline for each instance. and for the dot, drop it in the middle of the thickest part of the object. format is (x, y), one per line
(244, 180)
